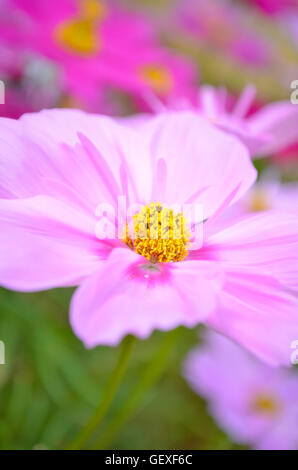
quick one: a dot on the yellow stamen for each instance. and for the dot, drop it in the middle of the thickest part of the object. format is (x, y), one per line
(158, 78)
(160, 235)
(78, 36)
(81, 34)
(265, 404)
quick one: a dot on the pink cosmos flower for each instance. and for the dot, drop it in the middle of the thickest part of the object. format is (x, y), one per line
(266, 131)
(58, 166)
(267, 194)
(255, 404)
(93, 43)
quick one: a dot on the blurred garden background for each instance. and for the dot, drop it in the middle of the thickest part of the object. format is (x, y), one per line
(50, 383)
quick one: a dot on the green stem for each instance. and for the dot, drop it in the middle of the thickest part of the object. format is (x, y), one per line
(150, 377)
(107, 397)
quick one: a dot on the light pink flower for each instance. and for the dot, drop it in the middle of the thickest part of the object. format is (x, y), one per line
(267, 194)
(266, 131)
(93, 44)
(57, 166)
(255, 404)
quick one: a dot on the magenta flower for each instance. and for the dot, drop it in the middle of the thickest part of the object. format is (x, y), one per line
(274, 7)
(58, 166)
(255, 404)
(93, 44)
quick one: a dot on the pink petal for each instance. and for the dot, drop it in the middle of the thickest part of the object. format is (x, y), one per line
(116, 143)
(200, 160)
(122, 298)
(255, 311)
(78, 150)
(266, 242)
(280, 121)
(45, 243)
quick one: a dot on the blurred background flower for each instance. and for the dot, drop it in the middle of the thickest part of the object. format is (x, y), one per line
(255, 404)
(232, 61)
(95, 47)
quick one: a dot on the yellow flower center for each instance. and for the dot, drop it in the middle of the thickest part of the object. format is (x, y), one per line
(158, 78)
(81, 34)
(265, 404)
(259, 201)
(159, 234)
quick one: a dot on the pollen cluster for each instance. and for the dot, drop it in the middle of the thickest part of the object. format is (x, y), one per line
(159, 234)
